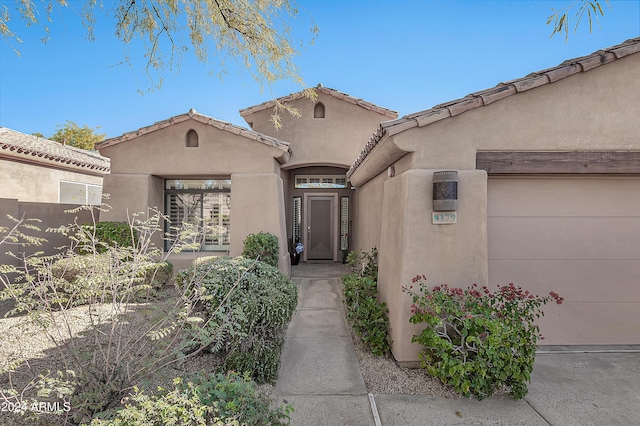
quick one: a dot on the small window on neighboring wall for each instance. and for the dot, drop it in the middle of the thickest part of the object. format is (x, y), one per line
(79, 193)
(318, 110)
(192, 139)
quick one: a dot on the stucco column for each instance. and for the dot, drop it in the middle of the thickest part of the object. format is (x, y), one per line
(257, 205)
(132, 193)
(410, 244)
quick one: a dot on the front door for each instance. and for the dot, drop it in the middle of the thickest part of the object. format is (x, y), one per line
(320, 222)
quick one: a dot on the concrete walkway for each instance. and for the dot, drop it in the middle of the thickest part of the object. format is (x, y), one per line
(319, 374)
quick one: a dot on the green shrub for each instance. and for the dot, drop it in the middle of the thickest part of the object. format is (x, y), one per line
(245, 307)
(477, 340)
(205, 259)
(90, 275)
(121, 344)
(107, 234)
(367, 316)
(237, 397)
(364, 264)
(158, 274)
(262, 246)
(218, 400)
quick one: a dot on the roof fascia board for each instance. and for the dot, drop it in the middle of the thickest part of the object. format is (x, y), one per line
(558, 162)
(384, 154)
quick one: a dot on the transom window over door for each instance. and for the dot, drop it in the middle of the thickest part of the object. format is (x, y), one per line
(205, 204)
(320, 181)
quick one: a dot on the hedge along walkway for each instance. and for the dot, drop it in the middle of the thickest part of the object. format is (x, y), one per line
(320, 375)
(319, 372)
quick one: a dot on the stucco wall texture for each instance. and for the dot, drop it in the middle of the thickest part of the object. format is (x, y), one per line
(33, 183)
(503, 225)
(594, 110)
(334, 140)
(50, 215)
(136, 183)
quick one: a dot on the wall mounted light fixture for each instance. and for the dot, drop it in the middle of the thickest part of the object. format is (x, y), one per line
(445, 191)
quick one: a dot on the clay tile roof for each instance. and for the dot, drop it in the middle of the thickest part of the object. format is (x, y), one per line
(44, 151)
(327, 91)
(501, 91)
(193, 115)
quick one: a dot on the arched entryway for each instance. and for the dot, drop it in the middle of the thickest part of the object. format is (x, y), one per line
(318, 211)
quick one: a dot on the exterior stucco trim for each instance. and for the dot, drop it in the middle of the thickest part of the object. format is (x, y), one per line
(501, 91)
(387, 151)
(284, 147)
(314, 164)
(558, 162)
(327, 91)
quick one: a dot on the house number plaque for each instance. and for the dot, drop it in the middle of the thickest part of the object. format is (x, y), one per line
(444, 218)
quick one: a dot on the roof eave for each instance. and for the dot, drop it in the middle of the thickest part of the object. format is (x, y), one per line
(52, 161)
(245, 112)
(499, 92)
(368, 166)
(285, 147)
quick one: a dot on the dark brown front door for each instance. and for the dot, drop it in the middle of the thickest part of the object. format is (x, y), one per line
(320, 221)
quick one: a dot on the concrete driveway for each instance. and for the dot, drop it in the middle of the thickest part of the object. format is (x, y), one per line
(586, 388)
(567, 388)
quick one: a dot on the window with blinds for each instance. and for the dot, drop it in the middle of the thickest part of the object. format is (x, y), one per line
(203, 205)
(297, 219)
(344, 223)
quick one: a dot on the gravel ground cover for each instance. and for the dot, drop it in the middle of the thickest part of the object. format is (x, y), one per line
(382, 375)
(20, 341)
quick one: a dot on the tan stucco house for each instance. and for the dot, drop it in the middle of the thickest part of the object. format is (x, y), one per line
(234, 181)
(548, 171)
(35, 169)
(41, 179)
(548, 189)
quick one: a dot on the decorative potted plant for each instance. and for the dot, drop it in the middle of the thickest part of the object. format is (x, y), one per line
(295, 250)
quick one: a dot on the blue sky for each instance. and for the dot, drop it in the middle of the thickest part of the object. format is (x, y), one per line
(403, 55)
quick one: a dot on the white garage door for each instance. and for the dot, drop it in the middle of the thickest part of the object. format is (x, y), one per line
(579, 237)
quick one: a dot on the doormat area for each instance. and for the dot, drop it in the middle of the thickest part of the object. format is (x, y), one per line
(317, 263)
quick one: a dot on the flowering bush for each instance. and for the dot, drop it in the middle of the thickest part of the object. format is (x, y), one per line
(477, 340)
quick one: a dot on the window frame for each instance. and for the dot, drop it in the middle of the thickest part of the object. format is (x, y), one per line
(86, 193)
(203, 191)
(320, 182)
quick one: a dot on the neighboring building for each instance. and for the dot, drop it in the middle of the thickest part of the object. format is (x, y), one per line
(548, 171)
(232, 181)
(34, 169)
(548, 197)
(41, 179)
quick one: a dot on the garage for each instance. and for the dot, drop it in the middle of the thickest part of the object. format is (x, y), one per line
(578, 236)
